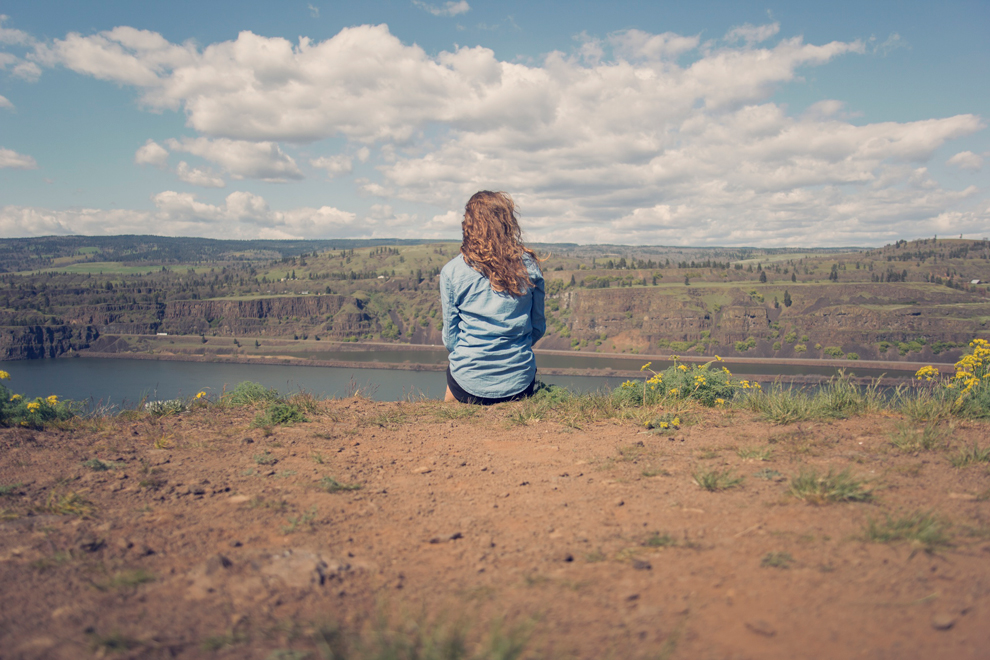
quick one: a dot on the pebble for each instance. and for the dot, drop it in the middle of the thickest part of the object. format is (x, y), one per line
(943, 621)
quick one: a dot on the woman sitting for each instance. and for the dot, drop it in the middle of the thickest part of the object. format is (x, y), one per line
(492, 296)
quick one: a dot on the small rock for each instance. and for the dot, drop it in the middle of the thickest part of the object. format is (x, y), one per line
(235, 544)
(943, 621)
(422, 470)
(642, 565)
(568, 557)
(619, 502)
(761, 627)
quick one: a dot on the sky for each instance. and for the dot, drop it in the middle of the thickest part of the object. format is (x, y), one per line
(642, 123)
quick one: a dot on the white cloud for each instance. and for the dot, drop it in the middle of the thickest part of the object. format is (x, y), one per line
(617, 141)
(197, 177)
(242, 159)
(752, 34)
(313, 11)
(334, 165)
(5, 103)
(891, 43)
(448, 9)
(242, 215)
(12, 160)
(13, 37)
(966, 160)
(151, 153)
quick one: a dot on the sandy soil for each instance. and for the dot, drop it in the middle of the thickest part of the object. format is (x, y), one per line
(220, 543)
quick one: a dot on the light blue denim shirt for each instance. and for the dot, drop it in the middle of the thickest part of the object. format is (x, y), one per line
(490, 334)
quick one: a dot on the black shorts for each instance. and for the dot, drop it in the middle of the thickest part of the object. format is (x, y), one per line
(467, 397)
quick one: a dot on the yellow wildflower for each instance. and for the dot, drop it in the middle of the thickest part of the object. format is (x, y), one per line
(719, 402)
(52, 400)
(718, 359)
(201, 395)
(645, 366)
(16, 397)
(33, 407)
(677, 421)
(682, 367)
(4, 375)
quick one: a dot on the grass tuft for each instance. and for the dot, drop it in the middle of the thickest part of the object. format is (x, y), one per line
(125, 579)
(971, 455)
(923, 529)
(716, 480)
(777, 560)
(755, 453)
(658, 540)
(68, 504)
(331, 485)
(909, 439)
(816, 488)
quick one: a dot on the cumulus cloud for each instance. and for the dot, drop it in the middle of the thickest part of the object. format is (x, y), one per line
(151, 153)
(752, 34)
(447, 9)
(10, 159)
(242, 215)
(13, 37)
(5, 103)
(241, 158)
(618, 141)
(334, 165)
(966, 160)
(198, 177)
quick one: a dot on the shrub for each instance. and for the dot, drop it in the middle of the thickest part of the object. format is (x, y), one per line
(834, 351)
(15, 410)
(280, 414)
(247, 393)
(706, 385)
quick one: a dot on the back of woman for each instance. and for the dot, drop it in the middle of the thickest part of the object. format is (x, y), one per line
(493, 306)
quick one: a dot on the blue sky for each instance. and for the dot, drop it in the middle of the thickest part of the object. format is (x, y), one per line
(719, 123)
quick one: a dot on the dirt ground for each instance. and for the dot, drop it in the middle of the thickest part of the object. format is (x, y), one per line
(198, 536)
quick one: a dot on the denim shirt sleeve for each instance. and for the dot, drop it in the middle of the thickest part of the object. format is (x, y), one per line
(538, 316)
(451, 318)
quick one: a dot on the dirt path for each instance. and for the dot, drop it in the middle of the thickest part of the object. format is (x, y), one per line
(224, 543)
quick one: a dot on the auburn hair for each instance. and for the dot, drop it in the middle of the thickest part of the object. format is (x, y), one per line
(492, 242)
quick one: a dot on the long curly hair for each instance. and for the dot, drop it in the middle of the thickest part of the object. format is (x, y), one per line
(492, 243)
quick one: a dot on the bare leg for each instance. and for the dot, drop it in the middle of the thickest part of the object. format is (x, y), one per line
(450, 396)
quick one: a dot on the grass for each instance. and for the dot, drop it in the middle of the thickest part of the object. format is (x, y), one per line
(971, 455)
(10, 488)
(658, 540)
(924, 530)
(125, 579)
(816, 488)
(837, 399)
(755, 453)
(265, 458)
(909, 439)
(96, 465)
(716, 480)
(776, 560)
(279, 414)
(68, 504)
(766, 474)
(331, 485)
(247, 393)
(303, 521)
(926, 406)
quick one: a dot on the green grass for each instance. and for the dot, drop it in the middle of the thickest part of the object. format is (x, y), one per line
(279, 414)
(96, 465)
(716, 480)
(926, 406)
(247, 393)
(837, 399)
(755, 453)
(302, 522)
(8, 489)
(909, 439)
(658, 540)
(971, 455)
(924, 530)
(68, 504)
(816, 488)
(777, 560)
(331, 485)
(265, 458)
(125, 579)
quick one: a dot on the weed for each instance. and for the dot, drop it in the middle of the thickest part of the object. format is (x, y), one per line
(303, 521)
(58, 559)
(767, 474)
(8, 514)
(247, 393)
(658, 540)
(708, 454)
(261, 503)
(7, 490)
(668, 422)
(387, 419)
(836, 399)
(970, 455)
(927, 406)
(265, 458)
(594, 557)
(125, 579)
(755, 453)
(318, 458)
(165, 408)
(909, 439)
(331, 485)
(217, 642)
(716, 480)
(655, 472)
(68, 504)
(446, 412)
(923, 529)
(776, 560)
(632, 452)
(279, 414)
(816, 488)
(96, 465)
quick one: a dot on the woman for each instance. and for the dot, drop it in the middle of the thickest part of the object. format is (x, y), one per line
(492, 297)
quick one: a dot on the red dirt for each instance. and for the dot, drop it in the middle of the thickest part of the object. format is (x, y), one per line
(479, 518)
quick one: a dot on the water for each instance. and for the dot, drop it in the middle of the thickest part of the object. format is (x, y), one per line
(124, 383)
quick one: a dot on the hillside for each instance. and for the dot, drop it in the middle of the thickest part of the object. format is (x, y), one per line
(911, 301)
(573, 534)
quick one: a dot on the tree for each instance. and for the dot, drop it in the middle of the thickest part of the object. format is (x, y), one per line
(687, 281)
(787, 298)
(763, 277)
(793, 277)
